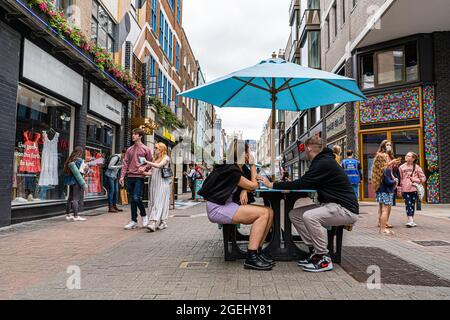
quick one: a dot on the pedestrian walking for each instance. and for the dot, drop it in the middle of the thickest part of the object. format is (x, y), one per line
(338, 203)
(113, 166)
(411, 174)
(134, 159)
(384, 184)
(159, 191)
(352, 168)
(337, 151)
(74, 169)
(191, 180)
(384, 158)
(218, 190)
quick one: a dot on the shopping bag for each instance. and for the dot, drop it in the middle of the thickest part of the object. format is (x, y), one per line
(123, 196)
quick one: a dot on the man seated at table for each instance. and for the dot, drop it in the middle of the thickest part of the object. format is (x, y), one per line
(338, 203)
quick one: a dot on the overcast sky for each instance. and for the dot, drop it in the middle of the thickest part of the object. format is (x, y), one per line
(228, 35)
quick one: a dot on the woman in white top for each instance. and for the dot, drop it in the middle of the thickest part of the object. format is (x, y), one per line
(159, 191)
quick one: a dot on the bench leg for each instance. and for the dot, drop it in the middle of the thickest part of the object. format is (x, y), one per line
(339, 235)
(227, 235)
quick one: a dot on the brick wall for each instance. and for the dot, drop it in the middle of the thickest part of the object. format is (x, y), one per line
(442, 75)
(9, 76)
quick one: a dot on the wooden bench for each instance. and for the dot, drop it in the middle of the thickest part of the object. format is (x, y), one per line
(231, 236)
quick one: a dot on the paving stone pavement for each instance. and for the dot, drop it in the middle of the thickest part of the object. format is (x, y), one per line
(119, 264)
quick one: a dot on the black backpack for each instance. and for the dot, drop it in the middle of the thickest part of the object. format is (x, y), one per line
(108, 160)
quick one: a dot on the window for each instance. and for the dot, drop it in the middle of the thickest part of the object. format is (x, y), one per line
(313, 4)
(166, 36)
(305, 121)
(328, 32)
(390, 66)
(411, 62)
(177, 56)
(399, 64)
(65, 6)
(367, 72)
(154, 16)
(151, 82)
(170, 46)
(317, 114)
(161, 28)
(335, 19)
(38, 114)
(102, 27)
(172, 4)
(294, 133)
(179, 12)
(314, 49)
(343, 10)
(133, 10)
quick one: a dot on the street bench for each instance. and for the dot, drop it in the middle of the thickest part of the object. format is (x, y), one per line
(232, 251)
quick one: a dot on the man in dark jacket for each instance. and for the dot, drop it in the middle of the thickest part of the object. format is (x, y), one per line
(338, 203)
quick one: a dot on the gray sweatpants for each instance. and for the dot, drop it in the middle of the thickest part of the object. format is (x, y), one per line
(310, 222)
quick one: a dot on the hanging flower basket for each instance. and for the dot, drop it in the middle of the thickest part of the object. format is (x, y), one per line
(102, 58)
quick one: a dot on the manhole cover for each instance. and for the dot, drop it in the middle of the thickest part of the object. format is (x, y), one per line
(194, 265)
(393, 270)
(432, 243)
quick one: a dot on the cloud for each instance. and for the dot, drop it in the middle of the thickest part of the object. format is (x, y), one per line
(230, 35)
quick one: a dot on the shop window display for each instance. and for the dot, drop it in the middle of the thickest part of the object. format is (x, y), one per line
(99, 148)
(41, 148)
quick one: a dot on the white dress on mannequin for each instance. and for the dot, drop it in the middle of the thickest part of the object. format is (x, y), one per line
(49, 161)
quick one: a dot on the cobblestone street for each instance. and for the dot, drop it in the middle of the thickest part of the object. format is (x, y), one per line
(120, 264)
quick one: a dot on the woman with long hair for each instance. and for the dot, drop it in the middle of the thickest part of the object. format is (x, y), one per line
(159, 191)
(410, 173)
(75, 189)
(337, 151)
(384, 184)
(218, 190)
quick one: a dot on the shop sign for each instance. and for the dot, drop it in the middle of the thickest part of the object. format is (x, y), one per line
(402, 105)
(45, 70)
(105, 105)
(166, 134)
(336, 123)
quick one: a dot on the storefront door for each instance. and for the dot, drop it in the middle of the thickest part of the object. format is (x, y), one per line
(403, 142)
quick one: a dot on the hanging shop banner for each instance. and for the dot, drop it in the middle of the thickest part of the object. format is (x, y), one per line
(105, 105)
(45, 70)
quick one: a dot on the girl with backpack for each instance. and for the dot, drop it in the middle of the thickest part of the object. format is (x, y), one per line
(411, 180)
(72, 179)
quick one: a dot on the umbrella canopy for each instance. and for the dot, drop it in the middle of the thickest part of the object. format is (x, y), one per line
(294, 88)
(278, 85)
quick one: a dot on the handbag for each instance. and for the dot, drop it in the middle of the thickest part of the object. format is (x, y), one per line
(166, 172)
(419, 187)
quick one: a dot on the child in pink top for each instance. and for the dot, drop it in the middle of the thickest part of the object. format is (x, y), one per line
(410, 172)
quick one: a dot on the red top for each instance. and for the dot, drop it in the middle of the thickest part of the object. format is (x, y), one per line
(31, 160)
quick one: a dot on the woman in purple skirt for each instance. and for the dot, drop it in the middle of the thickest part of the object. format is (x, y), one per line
(218, 190)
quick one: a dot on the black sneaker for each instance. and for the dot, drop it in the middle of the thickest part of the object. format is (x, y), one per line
(312, 258)
(322, 264)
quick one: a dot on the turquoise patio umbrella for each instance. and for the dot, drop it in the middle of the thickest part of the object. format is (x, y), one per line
(278, 85)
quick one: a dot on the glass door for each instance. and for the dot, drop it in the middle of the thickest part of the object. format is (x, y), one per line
(404, 142)
(371, 142)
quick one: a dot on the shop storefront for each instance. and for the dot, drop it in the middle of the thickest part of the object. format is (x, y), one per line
(405, 117)
(105, 114)
(50, 105)
(44, 128)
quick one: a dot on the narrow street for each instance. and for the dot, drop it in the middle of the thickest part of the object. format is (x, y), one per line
(119, 264)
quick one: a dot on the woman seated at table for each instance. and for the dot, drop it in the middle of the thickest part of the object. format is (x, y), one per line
(218, 190)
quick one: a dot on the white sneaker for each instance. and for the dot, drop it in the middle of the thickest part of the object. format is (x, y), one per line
(414, 224)
(78, 218)
(152, 226)
(131, 225)
(69, 217)
(162, 225)
(144, 221)
(410, 225)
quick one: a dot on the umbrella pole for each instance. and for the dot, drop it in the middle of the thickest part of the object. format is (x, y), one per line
(272, 140)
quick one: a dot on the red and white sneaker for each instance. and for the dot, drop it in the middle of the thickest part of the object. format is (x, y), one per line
(321, 264)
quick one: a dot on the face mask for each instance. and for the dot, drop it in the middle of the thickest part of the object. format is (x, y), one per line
(388, 149)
